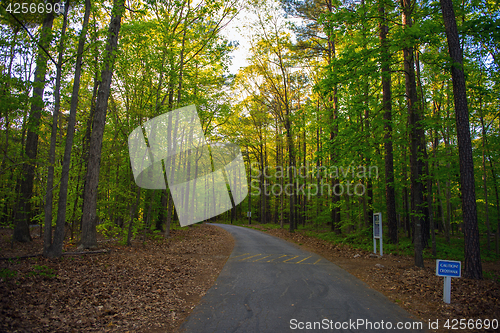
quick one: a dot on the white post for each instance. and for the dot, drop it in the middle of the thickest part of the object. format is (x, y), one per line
(374, 245)
(381, 246)
(447, 289)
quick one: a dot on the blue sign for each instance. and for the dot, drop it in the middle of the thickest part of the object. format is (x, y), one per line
(377, 225)
(448, 268)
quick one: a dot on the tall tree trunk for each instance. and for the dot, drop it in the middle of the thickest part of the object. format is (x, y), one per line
(426, 228)
(89, 218)
(54, 249)
(304, 151)
(497, 200)
(249, 213)
(23, 207)
(390, 195)
(406, 200)
(369, 183)
(416, 140)
(318, 164)
(280, 165)
(133, 213)
(333, 113)
(430, 201)
(484, 143)
(262, 198)
(90, 121)
(473, 266)
(291, 168)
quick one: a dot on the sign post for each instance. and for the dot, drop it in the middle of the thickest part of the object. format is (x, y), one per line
(448, 269)
(377, 232)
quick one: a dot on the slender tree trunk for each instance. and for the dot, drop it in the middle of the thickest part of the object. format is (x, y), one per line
(333, 112)
(497, 200)
(262, 198)
(23, 208)
(133, 213)
(304, 151)
(432, 226)
(486, 212)
(6, 90)
(416, 135)
(406, 200)
(369, 186)
(473, 266)
(249, 212)
(318, 163)
(89, 218)
(426, 228)
(281, 165)
(291, 168)
(390, 194)
(54, 249)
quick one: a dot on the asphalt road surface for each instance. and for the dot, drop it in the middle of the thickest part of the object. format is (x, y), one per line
(270, 285)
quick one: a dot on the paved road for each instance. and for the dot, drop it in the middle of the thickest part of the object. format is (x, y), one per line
(270, 285)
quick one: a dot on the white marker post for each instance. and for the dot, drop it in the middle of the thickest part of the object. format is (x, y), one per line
(377, 232)
(448, 269)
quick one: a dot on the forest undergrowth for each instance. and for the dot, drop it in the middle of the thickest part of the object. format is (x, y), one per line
(151, 286)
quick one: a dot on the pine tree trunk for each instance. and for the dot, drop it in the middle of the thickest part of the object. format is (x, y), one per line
(89, 218)
(473, 266)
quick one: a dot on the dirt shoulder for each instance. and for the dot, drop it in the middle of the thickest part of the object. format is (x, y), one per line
(419, 291)
(143, 288)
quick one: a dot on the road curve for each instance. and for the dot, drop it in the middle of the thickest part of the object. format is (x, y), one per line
(270, 285)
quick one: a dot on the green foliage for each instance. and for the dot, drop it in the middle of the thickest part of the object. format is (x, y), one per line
(311, 91)
(491, 276)
(6, 273)
(42, 270)
(109, 230)
(157, 235)
(137, 226)
(263, 227)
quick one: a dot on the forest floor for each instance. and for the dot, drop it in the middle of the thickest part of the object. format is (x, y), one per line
(149, 287)
(419, 291)
(153, 286)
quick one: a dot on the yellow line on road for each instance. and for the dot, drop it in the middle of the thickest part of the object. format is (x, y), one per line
(278, 258)
(251, 257)
(317, 261)
(263, 258)
(291, 258)
(298, 262)
(244, 254)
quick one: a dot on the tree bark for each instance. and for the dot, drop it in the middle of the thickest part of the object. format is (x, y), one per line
(473, 267)
(89, 218)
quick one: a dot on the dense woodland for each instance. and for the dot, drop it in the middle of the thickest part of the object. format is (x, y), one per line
(345, 108)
